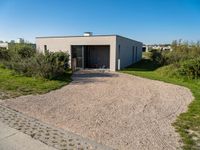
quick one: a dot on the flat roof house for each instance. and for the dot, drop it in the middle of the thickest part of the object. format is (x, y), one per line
(111, 52)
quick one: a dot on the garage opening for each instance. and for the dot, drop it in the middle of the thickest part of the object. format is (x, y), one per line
(97, 56)
(91, 56)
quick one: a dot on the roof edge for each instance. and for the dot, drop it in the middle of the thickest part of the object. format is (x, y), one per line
(128, 38)
(72, 36)
(115, 35)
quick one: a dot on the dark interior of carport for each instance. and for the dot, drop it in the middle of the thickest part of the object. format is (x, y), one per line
(91, 56)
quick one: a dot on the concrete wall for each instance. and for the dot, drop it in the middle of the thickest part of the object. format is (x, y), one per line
(126, 56)
(64, 44)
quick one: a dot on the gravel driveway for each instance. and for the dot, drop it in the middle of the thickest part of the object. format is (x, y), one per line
(118, 110)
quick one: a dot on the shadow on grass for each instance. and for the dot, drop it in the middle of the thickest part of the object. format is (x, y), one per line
(143, 65)
(64, 78)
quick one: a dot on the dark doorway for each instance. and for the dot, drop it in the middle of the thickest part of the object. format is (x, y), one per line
(90, 56)
(97, 56)
(77, 56)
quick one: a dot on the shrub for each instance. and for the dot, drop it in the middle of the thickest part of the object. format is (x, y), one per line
(50, 65)
(26, 51)
(157, 57)
(184, 60)
(182, 52)
(190, 68)
(4, 54)
(58, 63)
(24, 59)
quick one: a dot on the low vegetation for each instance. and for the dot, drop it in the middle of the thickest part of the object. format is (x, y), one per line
(24, 59)
(181, 67)
(184, 59)
(24, 71)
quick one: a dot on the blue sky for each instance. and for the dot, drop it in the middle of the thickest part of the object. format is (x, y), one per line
(149, 21)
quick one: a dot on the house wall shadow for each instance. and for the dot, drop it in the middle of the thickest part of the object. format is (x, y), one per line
(84, 77)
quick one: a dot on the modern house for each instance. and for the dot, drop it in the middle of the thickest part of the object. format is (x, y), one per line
(111, 52)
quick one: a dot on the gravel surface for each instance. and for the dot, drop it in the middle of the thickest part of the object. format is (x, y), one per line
(114, 109)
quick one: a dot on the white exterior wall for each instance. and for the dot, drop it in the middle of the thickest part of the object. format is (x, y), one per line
(126, 51)
(64, 44)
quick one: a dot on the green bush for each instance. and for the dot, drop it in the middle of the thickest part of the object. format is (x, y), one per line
(23, 50)
(50, 65)
(24, 59)
(56, 64)
(4, 54)
(26, 51)
(182, 52)
(190, 68)
(157, 56)
(184, 60)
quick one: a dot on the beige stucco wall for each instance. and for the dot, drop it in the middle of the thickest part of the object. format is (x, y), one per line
(64, 44)
(126, 51)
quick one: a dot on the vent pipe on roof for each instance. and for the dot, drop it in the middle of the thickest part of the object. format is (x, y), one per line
(87, 34)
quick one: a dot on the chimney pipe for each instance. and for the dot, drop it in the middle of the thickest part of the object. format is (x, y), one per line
(87, 34)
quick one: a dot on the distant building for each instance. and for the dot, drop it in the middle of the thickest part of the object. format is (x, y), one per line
(145, 48)
(12, 41)
(161, 47)
(19, 40)
(4, 45)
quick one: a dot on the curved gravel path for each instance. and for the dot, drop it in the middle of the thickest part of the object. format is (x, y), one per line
(114, 109)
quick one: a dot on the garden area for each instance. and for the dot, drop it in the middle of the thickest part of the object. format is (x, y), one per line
(23, 71)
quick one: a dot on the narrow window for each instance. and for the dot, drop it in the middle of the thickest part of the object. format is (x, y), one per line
(133, 54)
(45, 47)
(136, 54)
(119, 52)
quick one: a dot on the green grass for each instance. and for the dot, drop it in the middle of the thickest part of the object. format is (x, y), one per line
(187, 124)
(13, 85)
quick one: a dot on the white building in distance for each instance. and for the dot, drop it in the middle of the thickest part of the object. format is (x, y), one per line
(4, 45)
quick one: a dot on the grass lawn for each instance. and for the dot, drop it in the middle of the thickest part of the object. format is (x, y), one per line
(13, 85)
(187, 124)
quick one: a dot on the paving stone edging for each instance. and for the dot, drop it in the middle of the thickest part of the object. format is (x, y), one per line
(57, 138)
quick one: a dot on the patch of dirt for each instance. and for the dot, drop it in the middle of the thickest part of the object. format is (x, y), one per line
(118, 110)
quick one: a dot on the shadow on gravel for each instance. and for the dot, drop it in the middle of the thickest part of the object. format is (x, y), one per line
(81, 77)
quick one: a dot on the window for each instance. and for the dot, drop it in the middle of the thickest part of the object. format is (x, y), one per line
(136, 54)
(133, 54)
(45, 47)
(119, 52)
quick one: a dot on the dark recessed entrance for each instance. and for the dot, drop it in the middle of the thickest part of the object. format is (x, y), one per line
(97, 56)
(89, 56)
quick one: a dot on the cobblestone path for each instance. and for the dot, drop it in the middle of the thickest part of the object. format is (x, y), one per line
(47, 134)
